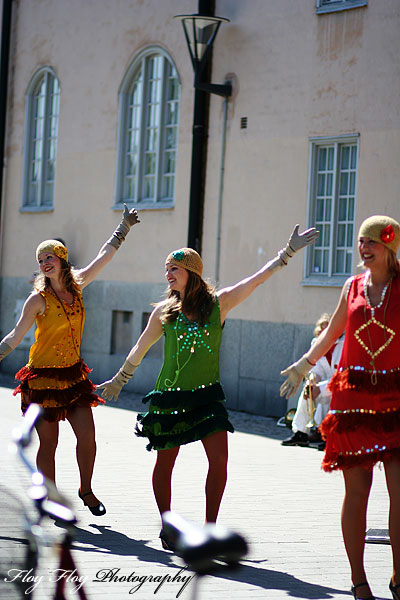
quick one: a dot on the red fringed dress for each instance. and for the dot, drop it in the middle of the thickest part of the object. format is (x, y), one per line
(55, 376)
(363, 424)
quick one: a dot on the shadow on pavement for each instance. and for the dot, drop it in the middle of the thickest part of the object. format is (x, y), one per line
(116, 543)
(277, 580)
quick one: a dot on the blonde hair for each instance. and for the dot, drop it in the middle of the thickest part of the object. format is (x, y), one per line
(324, 318)
(392, 263)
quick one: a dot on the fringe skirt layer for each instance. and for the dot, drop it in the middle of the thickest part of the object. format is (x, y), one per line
(362, 427)
(57, 389)
(181, 417)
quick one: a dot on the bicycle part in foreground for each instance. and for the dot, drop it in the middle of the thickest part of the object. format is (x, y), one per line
(205, 549)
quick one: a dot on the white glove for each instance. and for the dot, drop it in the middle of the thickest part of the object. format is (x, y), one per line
(129, 218)
(5, 350)
(111, 389)
(297, 240)
(294, 374)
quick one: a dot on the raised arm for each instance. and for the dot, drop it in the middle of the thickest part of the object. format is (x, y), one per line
(232, 296)
(33, 306)
(152, 333)
(324, 341)
(107, 251)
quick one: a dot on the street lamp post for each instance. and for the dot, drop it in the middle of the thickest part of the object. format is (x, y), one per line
(200, 32)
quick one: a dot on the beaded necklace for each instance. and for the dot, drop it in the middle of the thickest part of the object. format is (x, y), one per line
(68, 319)
(372, 319)
(192, 336)
(367, 300)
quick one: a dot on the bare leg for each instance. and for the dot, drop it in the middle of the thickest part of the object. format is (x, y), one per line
(162, 476)
(358, 483)
(81, 420)
(48, 440)
(392, 472)
(216, 447)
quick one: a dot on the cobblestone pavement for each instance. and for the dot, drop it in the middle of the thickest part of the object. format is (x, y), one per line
(277, 497)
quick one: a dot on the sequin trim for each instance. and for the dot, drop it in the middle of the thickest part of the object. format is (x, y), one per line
(359, 368)
(199, 387)
(364, 450)
(362, 410)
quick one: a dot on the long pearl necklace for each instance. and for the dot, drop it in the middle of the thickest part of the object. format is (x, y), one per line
(367, 300)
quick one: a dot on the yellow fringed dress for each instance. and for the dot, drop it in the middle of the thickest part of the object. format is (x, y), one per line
(55, 376)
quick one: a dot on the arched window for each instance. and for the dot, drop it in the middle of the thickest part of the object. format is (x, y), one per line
(41, 132)
(148, 131)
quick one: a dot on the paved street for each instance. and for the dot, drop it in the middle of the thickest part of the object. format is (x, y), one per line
(276, 496)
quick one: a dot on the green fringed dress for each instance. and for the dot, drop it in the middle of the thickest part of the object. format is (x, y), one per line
(187, 403)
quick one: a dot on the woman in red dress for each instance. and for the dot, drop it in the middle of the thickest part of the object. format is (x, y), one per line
(362, 427)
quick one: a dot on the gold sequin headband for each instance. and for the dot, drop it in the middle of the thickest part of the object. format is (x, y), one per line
(54, 246)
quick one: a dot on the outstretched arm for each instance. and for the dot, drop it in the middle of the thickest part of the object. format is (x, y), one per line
(295, 372)
(152, 333)
(232, 296)
(34, 305)
(107, 251)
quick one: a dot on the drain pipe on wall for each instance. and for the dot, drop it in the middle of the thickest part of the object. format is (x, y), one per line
(221, 191)
(4, 62)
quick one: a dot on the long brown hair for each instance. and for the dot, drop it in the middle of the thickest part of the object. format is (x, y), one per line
(197, 303)
(69, 278)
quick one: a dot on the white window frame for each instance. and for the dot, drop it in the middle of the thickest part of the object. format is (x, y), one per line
(331, 278)
(48, 141)
(328, 6)
(157, 201)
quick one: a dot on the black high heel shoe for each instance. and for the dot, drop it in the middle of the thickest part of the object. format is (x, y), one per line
(354, 588)
(99, 510)
(166, 542)
(393, 588)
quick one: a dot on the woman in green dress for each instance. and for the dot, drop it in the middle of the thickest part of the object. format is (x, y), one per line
(187, 403)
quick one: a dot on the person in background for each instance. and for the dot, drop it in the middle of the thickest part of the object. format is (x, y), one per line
(187, 403)
(56, 376)
(362, 427)
(306, 421)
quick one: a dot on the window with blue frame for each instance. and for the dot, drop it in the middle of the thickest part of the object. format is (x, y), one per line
(148, 131)
(324, 6)
(332, 207)
(41, 133)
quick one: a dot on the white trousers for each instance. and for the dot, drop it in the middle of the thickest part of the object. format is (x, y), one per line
(301, 419)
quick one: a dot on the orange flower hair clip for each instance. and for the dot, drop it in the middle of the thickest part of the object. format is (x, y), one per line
(54, 246)
(60, 251)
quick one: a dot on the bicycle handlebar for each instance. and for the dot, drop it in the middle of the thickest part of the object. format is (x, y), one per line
(43, 492)
(204, 549)
(22, 435)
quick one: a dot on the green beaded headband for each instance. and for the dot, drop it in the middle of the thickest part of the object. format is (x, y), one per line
(187, 258)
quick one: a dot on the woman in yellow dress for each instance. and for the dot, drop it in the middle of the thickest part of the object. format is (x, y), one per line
(56, 376)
